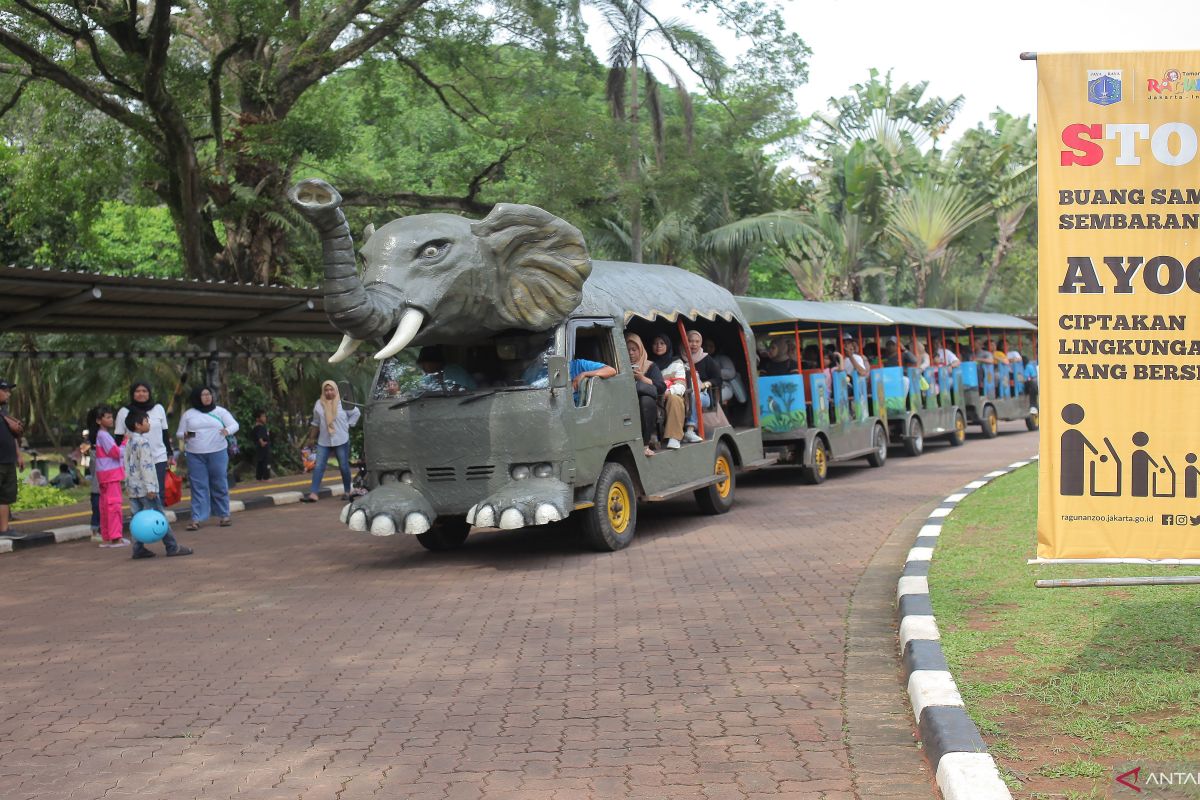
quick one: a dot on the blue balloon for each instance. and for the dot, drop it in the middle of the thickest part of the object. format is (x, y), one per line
(148, 526)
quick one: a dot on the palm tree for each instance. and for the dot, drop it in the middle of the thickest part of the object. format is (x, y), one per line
(1000, 165)
(925, 218)
(634, 28)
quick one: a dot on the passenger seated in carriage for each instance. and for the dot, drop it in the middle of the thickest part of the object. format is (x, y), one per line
(650, 385)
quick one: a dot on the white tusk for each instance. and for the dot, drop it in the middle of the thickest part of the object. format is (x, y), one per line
(348, 346)
(410, 323)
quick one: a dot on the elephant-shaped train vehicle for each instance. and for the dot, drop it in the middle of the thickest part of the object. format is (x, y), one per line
(506, 396)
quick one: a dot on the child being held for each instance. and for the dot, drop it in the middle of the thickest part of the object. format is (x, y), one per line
(141, 481)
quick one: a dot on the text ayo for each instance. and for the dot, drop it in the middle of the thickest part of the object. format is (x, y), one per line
(1172, 144)
(1160, 274)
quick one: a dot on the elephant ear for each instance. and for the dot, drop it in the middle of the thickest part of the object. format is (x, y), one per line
(542, 263)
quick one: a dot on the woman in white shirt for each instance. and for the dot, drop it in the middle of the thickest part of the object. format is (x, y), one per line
(202, 432)
(331, 426)
(140, 398)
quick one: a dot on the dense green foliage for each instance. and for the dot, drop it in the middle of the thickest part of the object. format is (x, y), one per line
(455, 106)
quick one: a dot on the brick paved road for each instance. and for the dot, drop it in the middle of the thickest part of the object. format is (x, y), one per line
(292, 659)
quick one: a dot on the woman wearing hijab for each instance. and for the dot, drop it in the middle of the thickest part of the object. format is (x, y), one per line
(141, 399)
(331, 426)
(674, 374)
(648, 380)
(708, 372)
(203, 436)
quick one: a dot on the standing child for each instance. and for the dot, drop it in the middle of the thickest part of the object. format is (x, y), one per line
(262, 446)
(141, 480)
(109, 474)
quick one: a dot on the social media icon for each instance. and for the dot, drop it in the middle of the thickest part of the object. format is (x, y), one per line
(1181, 519)
(1167, 519)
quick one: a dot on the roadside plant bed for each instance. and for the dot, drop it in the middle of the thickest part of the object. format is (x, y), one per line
(1064, 684)
(34, 497)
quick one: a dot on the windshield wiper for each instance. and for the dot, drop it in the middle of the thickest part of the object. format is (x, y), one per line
(474, 397)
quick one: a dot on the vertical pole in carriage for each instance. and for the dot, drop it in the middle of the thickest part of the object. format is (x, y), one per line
(695, 380)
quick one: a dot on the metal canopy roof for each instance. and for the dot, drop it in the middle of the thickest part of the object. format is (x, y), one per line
(898, 315)
(621, 289)
(988, 319)
(56, 301)
(764, 311)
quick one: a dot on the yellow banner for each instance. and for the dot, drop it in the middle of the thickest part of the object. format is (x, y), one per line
(1119, 305)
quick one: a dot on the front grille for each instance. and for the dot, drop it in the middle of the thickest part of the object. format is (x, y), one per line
(480, 472)
(439, 474)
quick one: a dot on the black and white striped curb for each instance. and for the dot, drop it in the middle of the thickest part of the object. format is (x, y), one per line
(964, 768)
(21, 541)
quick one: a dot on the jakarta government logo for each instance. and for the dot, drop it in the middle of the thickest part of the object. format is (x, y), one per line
(1104, 86)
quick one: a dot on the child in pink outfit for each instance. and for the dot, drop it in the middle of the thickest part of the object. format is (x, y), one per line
(110, 471)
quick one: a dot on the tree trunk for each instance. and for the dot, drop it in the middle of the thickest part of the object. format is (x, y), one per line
(635, 157)
(921, 277)
(1006, 228)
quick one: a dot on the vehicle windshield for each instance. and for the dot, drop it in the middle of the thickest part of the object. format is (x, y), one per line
(507, 361)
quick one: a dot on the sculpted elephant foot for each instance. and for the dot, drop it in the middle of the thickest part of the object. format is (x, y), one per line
(389, 509)
(534, 501)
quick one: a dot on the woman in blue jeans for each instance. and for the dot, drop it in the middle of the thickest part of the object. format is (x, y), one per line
(331, 426)
(202, 435)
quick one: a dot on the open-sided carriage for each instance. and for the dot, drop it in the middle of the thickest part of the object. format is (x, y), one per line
(1003, 389)
(924, 395)
(811, 414)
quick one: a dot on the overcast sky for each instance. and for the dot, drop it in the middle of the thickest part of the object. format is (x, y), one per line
(961, 47)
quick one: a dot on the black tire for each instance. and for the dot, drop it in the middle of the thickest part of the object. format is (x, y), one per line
(446, 534)
(718, 498)
(1032, 422)
(610, 523)
(958, 436)
(914, 440)
(878, 456)
(990, 422)
(819, 471)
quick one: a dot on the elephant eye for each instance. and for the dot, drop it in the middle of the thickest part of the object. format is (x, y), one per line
(434, 249)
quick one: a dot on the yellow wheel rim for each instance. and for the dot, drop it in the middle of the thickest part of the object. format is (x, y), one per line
(725, 485)
(619, 510)
(819, 461)
(993, 423)
(1034, 417)
(960, 428)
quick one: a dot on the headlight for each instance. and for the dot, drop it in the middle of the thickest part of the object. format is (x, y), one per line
(543, 471)
(520, 472)
(406, 477)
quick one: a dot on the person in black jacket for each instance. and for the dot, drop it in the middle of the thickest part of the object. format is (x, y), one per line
(708, 372)
(648, 380)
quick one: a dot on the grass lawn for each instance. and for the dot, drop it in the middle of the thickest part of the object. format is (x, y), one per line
(1065, 684)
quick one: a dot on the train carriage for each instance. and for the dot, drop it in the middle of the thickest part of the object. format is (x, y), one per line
(811, 414)
(1005, 388)
(924, 399)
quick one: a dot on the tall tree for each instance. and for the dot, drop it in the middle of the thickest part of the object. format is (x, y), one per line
(926, 218)
(208, 91)
(1000, 165)
(635, 30)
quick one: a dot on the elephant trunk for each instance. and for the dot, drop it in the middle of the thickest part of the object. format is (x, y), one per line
(352, 310)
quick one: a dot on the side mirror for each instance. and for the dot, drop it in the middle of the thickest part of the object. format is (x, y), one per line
(346, 390)
(559, 372)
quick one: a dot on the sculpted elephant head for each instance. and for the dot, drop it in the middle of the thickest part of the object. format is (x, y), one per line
(440, 277)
